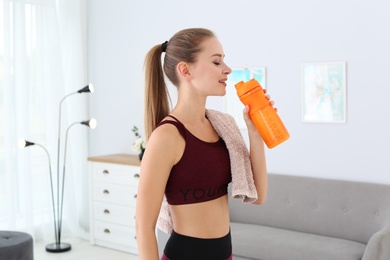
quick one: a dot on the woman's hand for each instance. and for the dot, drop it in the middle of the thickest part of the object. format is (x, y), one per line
(247, 118)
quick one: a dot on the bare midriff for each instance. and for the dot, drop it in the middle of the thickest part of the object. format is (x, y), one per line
(208, 219)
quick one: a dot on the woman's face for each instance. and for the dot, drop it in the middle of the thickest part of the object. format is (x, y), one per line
(209, 73)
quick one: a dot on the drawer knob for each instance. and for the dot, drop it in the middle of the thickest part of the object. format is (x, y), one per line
(106, 211)
(106, 192)
(106, 172)
(107, 231)
(136, 175)
(135, 196)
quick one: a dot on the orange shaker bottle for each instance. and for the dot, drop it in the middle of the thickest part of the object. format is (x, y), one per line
(263, 115)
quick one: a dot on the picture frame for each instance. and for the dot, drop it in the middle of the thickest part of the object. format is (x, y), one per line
(232, 103)
(324, 92)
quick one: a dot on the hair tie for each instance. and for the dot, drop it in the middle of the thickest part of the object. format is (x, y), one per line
(164, 46)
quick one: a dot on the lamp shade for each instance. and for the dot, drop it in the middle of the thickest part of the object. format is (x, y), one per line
(92, 123)
(88, 88)
(24, 143)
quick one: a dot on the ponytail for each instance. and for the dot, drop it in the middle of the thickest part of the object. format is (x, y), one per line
(156, 91)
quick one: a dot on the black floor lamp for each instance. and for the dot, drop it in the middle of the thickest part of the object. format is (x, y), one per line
(58, 197)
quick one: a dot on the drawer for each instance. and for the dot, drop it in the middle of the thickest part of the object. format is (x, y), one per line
(117, 234)
(113, 173)
(122, 215)
(114, 193)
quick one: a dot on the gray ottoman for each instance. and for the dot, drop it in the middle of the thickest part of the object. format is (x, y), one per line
(16, 246)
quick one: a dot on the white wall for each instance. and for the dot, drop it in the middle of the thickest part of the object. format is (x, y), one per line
(280, 35)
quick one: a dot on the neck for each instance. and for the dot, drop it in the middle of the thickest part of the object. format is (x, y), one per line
(190, 113)
(190, 108)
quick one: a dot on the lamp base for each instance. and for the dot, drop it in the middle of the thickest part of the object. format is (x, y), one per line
(58, 247)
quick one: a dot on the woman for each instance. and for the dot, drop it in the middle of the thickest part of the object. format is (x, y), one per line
(185, 159)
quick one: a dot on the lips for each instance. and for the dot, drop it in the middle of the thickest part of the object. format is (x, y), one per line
(223, 81)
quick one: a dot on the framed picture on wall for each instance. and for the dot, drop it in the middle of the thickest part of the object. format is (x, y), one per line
(232, 104)
(324, 92)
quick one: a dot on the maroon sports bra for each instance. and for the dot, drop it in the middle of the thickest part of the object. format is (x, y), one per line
(203, 172)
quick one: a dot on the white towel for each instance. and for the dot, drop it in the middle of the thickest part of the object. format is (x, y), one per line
(242, 178)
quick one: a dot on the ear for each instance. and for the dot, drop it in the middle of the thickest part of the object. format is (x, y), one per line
(184, 70)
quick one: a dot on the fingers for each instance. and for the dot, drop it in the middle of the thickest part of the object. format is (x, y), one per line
(271, 102)
(268, 97)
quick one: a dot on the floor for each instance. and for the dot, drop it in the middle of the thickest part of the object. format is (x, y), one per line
(81, 249)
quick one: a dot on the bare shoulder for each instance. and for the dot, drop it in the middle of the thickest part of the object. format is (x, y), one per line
(166, 143)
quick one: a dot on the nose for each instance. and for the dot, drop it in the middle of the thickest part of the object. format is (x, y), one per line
(227, 70)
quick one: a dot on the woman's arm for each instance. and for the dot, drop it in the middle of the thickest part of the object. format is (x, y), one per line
(257, 155)
(160, 155)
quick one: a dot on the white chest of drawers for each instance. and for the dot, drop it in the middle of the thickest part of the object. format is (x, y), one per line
(113, 193)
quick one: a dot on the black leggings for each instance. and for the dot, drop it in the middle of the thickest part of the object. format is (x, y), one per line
(181, 247)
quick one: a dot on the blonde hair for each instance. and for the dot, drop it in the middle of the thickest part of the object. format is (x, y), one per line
(183, 46)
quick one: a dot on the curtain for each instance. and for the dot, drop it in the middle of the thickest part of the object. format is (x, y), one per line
(43, 58)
